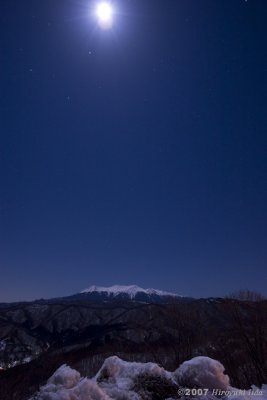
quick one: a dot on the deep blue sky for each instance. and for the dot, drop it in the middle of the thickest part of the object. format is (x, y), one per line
(134, 155)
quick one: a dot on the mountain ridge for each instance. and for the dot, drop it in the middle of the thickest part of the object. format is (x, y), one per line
(130, 290)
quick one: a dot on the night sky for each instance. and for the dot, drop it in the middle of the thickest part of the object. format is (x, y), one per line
(136, 154)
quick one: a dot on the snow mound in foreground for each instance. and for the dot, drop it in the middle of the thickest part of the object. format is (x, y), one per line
(202, 372)
(121, 380)
(123, 373)
(67, 384)
(65, 377)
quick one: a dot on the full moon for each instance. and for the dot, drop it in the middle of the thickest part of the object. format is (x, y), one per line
(104, 14)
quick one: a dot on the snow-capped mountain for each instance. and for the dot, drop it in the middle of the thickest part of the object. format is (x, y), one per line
(131, 292)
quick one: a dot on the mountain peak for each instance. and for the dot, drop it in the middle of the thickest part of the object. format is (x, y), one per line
(131, 291)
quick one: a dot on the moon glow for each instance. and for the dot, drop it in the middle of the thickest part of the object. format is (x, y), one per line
(104, 14)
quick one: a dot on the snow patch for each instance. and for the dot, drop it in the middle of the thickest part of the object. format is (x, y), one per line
(2, 345)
